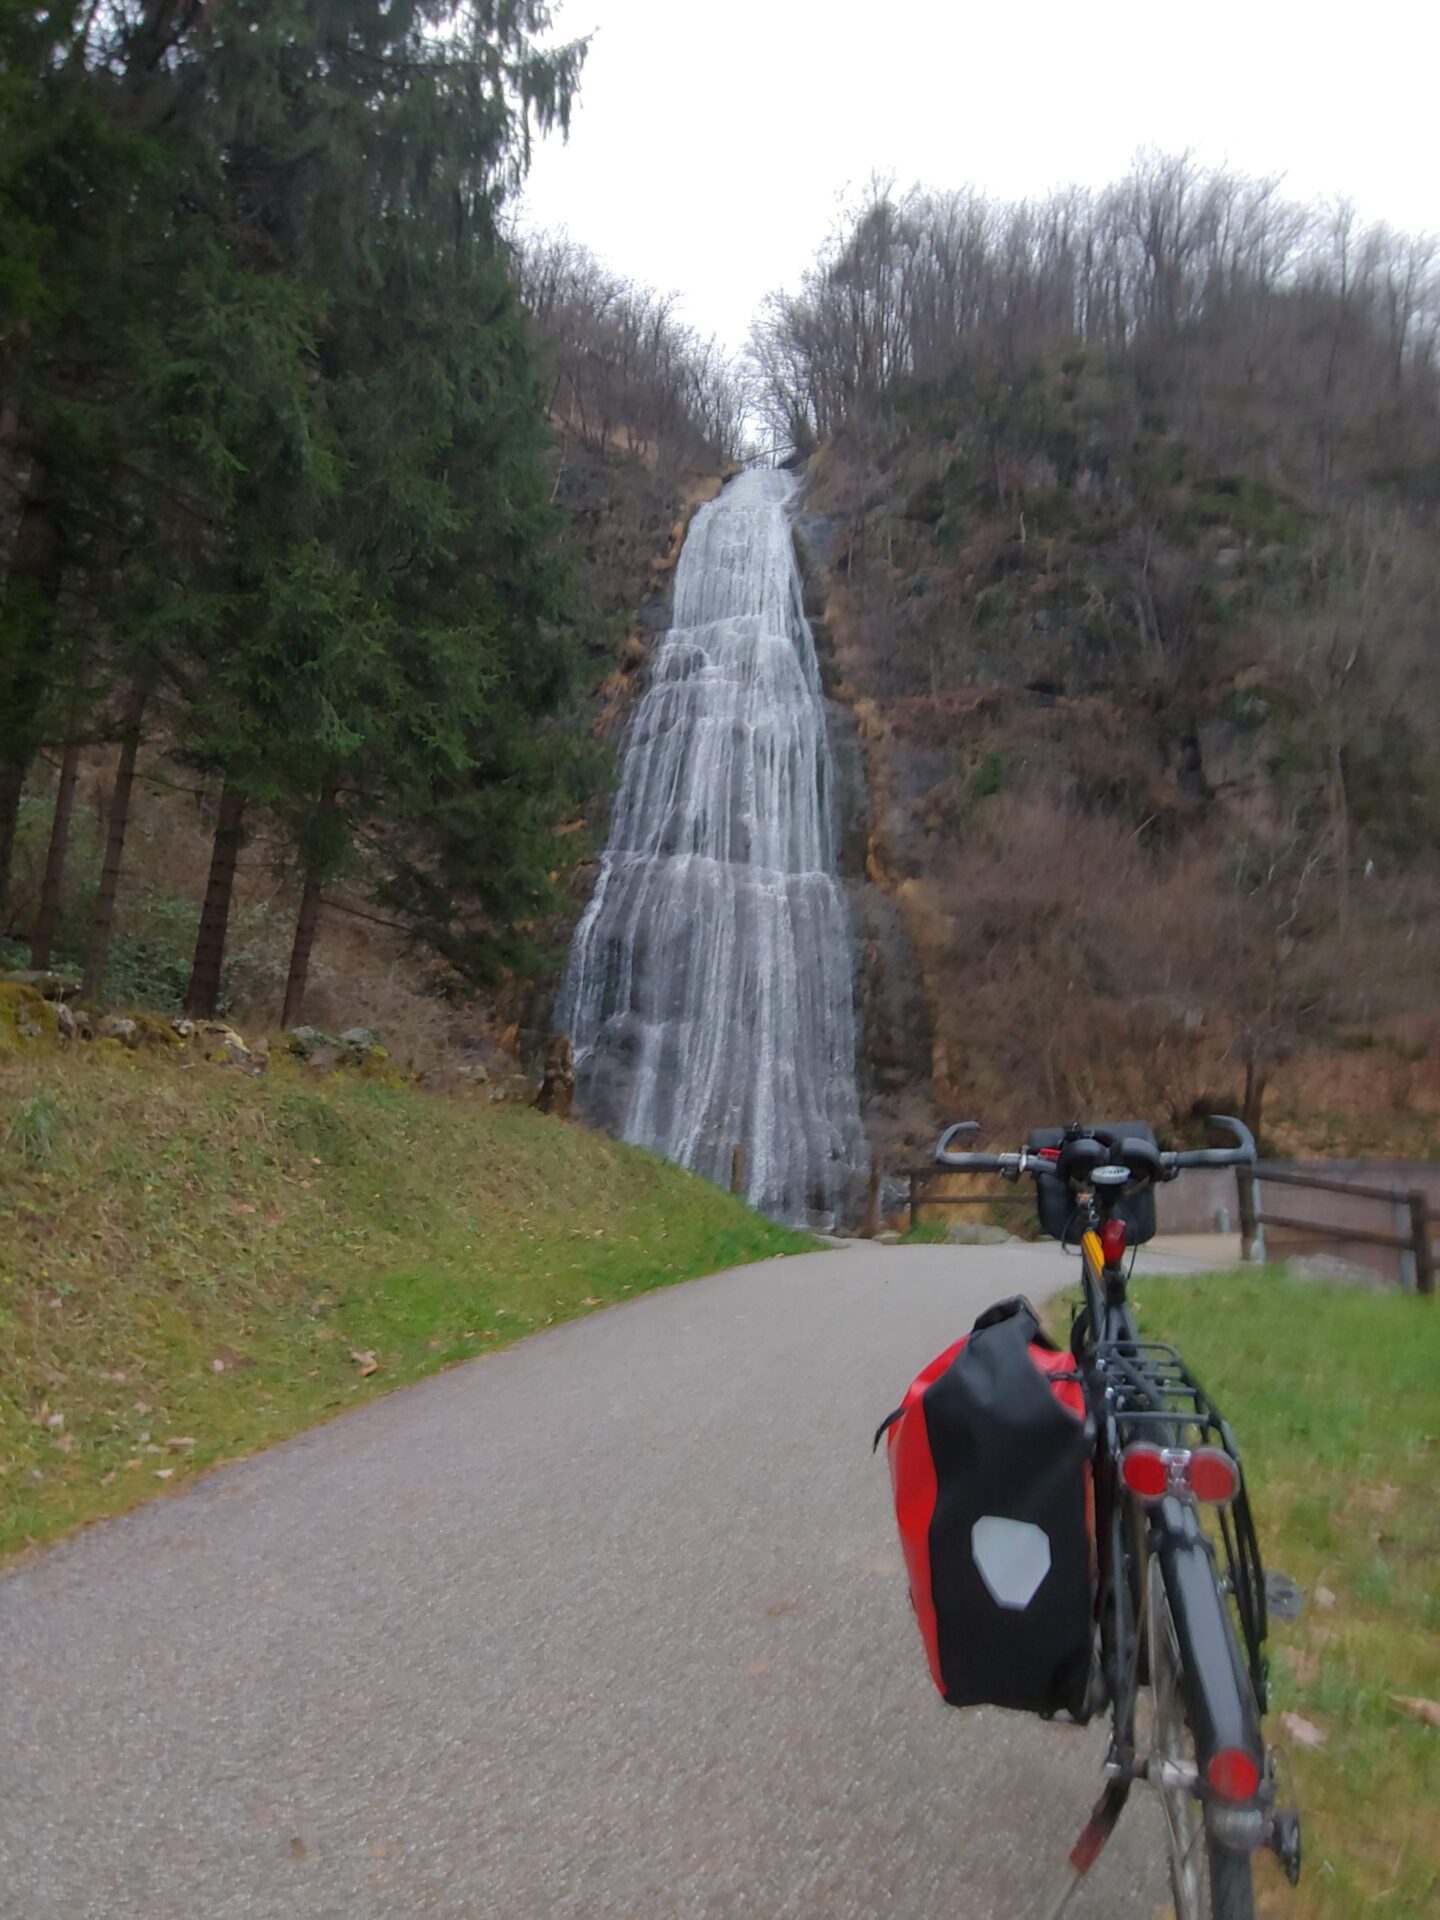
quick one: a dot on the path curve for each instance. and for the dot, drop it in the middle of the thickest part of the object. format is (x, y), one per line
(611, 1624)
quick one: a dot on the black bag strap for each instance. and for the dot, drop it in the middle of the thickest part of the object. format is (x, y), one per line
(885, 1426)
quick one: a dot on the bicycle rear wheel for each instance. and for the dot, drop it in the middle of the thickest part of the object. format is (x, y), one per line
(1208, 1881)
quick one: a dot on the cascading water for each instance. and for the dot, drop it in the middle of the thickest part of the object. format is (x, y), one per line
(709, 990)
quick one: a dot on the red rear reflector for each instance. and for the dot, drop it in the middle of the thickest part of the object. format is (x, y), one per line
(1213, 1475)
(1144, 1472)
(1233, 1774)
(1112, 1242)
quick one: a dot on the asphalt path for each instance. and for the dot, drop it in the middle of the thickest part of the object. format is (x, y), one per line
(612, 1623)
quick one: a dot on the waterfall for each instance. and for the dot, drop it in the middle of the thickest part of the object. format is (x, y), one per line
(709, 988)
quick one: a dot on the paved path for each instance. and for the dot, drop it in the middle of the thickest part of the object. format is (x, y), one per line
(612, 1624)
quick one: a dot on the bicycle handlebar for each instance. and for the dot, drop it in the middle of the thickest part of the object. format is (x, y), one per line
(1166, 1165)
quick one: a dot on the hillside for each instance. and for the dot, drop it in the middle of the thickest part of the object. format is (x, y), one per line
(197, 1260)
(1140, 660)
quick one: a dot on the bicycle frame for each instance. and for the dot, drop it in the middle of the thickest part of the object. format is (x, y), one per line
(1167, 1586)
(1143, 1390)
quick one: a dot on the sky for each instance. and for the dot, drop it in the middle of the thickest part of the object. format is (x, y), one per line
(714, 146)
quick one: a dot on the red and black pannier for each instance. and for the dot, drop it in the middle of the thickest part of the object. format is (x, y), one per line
(990, 1461)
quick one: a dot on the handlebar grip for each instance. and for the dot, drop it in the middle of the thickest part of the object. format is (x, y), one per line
(945, 1156)
(1242, 1154)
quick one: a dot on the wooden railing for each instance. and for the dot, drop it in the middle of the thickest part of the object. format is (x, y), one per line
(1416, 1221)
(922, 1178)
(1410, 1210)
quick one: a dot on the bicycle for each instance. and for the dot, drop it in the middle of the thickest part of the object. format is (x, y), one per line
(1181, 1594)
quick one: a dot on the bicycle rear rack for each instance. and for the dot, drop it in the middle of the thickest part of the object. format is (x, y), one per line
(1145, 1391)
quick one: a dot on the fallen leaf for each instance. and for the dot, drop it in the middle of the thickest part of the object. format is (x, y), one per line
(589, 1301)
(132, 1463)
(64, 1442)
(1427, 1712)
(1303, 1732)
(378, 1851)
(142, 1406)
(490, 1333)
(164, 1473)
(757, 1667)
(365, 1360)
(1324, 1597)
(178, 1441)
(54, 1421)
(1304, 1666)
(298, 1848)
(217, 1366)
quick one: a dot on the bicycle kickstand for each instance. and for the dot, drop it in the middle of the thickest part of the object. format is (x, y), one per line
(1087, 1849)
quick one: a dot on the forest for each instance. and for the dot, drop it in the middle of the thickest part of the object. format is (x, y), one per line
(283, 403)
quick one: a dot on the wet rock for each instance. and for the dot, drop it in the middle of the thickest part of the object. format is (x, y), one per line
(222, 1045)
(303, 1041)
(117, 1027)
(359, 1039)
(972, 1233)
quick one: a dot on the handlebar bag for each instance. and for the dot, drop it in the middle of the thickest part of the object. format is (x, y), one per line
(1056, 1204)
(989, 1458)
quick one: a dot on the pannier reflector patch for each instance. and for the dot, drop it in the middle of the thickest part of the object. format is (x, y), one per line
(1013, 1557)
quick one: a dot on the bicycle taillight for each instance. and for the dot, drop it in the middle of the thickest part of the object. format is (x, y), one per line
(1201, 1473)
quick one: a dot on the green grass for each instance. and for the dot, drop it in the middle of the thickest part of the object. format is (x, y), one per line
(191, 1254)
(1334, 1396)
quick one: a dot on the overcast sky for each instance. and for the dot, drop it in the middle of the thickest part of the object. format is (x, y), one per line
(713, 145)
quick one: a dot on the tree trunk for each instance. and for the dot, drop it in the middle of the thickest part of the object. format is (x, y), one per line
(299, 974)
(309, 916)
(1257, 1079)
(102, 919)
(202, 997)
(12, 785)
(42, 941)
(27, 626)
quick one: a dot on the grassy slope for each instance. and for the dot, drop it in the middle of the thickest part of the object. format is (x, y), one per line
(158, 1219)
(1334, 1394)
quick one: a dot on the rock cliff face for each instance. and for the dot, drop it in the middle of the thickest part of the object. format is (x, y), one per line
(895, 1037)
(1113, 800)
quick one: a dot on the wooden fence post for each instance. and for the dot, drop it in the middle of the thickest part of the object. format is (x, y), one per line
(1252, 1240)
(1405, 1229)
(871, 1225)
(1424, 1251)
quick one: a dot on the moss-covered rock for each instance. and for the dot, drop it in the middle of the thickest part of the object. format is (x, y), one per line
(27, 1018)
